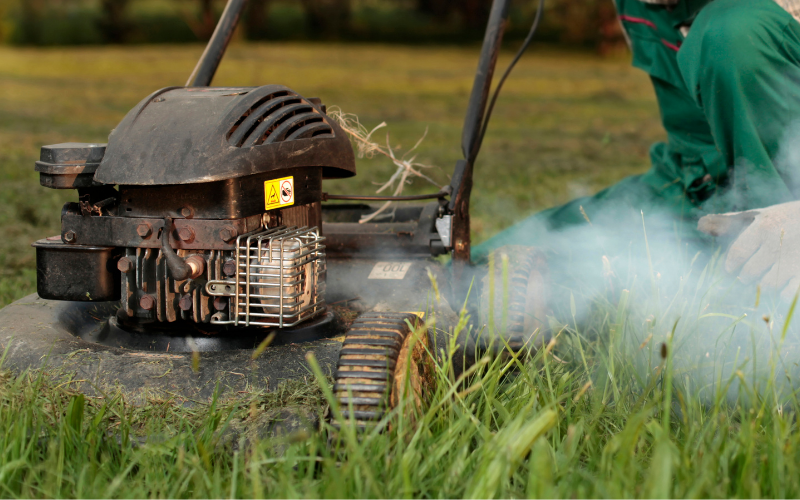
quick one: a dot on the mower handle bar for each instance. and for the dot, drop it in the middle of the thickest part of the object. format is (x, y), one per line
(207, 66)
(476, 109)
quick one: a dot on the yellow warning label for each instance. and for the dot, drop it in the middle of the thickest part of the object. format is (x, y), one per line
(279, 193)
(272, 198)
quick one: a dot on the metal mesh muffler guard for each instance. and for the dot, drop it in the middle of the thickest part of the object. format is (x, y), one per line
(279, 279)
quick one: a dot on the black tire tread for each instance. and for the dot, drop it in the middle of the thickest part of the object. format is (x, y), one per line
(379, 336)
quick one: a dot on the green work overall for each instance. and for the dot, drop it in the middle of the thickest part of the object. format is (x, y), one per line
(727, 78)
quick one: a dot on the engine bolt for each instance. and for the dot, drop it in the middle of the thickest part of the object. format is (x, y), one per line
(125, 265)
(220, 304)
(70, 236)
(147, 302)
(144, 230)
(186, 212)
(228, 233)
(229, 267)
(197, 265)
(186, 302)
(186, 234)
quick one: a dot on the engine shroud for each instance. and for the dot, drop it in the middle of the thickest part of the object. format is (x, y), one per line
(205, 134)
(179, 200)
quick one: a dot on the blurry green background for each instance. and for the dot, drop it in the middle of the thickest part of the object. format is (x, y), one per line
(568, 123)
(588, 23)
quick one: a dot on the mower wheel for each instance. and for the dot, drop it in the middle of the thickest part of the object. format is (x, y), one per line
(384, 358)
(526, 306)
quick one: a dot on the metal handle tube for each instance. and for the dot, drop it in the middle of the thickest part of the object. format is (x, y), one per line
(483, 77)
(471, 136)
(207, 66)
(461, 183)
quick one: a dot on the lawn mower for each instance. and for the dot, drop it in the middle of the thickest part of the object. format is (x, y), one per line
(200, 254)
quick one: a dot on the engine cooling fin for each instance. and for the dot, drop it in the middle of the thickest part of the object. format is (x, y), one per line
(279, 117)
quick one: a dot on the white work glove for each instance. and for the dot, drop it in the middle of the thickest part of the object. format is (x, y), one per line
(767, 248)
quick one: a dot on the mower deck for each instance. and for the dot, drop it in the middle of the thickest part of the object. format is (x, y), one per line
(81, 341)
(38, 333)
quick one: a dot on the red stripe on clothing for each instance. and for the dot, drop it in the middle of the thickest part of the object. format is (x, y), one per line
(672, 46)
(638, 20)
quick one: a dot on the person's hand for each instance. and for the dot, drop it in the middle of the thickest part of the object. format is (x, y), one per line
(766, 247)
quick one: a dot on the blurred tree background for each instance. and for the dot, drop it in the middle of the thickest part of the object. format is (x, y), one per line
(576, 23)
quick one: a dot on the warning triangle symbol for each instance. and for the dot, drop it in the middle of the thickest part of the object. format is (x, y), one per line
(273, 196)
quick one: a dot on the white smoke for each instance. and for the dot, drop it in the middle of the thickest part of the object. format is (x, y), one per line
(658, 283)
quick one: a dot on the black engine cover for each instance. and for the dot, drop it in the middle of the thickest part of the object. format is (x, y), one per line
(197, 135)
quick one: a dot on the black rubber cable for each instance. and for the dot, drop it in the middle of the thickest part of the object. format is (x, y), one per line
(355, 197)
(525, 44)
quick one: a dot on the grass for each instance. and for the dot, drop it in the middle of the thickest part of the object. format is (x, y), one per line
(671, 386)
(619, 405)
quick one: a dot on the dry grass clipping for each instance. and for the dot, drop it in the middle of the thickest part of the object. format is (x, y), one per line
(366, 147)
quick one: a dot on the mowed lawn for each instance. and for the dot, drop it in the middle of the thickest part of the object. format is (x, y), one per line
(567, 124)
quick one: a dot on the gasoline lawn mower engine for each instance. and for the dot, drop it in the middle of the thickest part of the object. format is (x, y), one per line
(204, 208)
(197, 238)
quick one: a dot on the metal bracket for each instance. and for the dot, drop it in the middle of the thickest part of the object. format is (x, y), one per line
(221, 288)
(444, 226)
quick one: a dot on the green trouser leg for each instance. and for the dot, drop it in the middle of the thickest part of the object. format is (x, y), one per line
(741, 60)
(740, 64)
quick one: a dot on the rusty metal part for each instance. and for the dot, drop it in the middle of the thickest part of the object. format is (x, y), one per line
(144, 230)
(197, 266)
(122, 231)
(178, 268)
(70, 236)
(151, 274)
(187, 212)
(186, 234)
(147, 302)
(228, 233)
(125, 265)
(229, 267)
(220, 304)
(90, 207)
(185, 302)
(472, 136)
